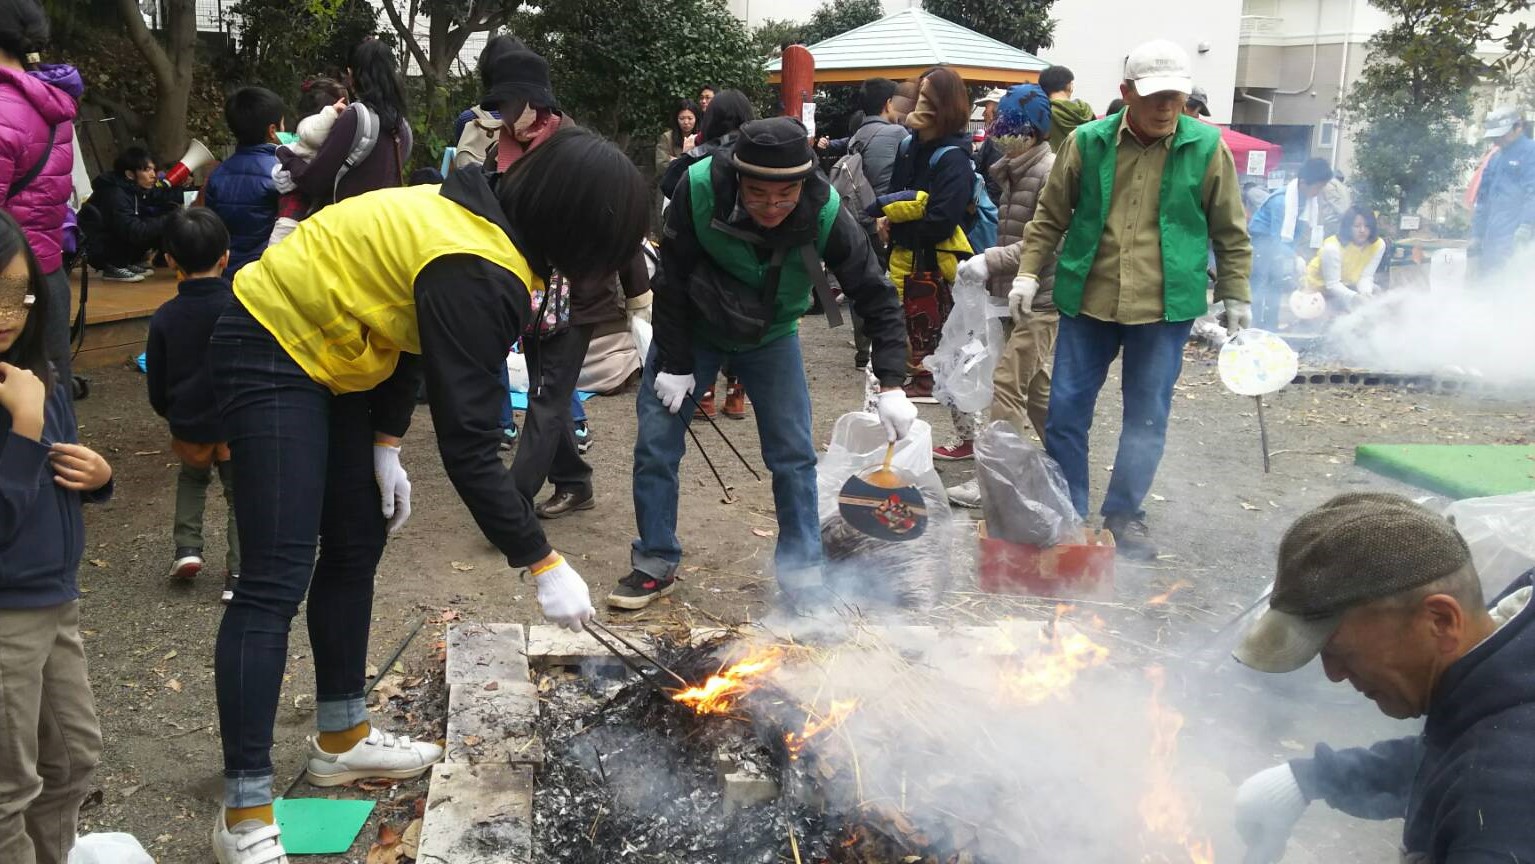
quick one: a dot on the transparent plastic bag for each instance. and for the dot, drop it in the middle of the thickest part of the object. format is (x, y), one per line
(108, 848)
(865, 570)
(1023, 492)
(967, 352)
(1501, 533)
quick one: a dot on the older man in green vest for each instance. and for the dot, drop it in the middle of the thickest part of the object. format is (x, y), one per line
(1135, 204)
(741, 258)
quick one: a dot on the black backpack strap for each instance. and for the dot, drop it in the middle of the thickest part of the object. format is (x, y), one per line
(817, 271)
(32, 173)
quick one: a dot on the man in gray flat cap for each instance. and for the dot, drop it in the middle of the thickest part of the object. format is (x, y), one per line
(1385, 593)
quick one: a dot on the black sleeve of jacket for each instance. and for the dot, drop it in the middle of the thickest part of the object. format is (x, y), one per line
(394, 400)
(851, 259)
(671, 310)
(948, 198)
(467, 326)
(1367, 782)
(154, 366)
(672, 177)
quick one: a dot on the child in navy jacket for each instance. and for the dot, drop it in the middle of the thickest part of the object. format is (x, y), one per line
(243, 189)
(180, 381)
(51, 740)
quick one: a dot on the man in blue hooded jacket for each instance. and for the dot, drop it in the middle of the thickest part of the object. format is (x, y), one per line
(1505, 200)
(1386, 593)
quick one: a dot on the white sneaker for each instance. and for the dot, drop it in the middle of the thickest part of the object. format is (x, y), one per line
(250, 842)
(966, 494)
(380, 755)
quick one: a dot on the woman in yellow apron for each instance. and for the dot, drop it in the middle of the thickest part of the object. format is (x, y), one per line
(1344, 268)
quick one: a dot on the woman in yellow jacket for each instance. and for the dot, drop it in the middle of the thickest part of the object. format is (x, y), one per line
(316, 363)
(1344, 268)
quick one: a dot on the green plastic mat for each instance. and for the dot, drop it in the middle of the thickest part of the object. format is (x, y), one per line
(1457, 471)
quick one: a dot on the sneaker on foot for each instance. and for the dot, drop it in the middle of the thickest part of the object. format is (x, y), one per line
(140, 269)
(188, 563)
(966, 494)
(250, 842)
(638, 590)
(509, 437)
(564, 502)
(230, 581)
(120, 274)
(583, 436)
(955, 451)
(1132, 538)
(380, 755)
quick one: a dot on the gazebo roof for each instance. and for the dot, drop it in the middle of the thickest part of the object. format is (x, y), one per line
(902, 45)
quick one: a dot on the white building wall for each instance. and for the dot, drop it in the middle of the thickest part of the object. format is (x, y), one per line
(1093, 37)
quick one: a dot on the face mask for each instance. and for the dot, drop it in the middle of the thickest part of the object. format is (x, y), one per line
(528, 118)
(15, 302)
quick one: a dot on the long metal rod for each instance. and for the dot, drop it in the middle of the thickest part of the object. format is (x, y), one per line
(715, 471)
(625, 659)
(636, 649)
(699, 409)
(1263, 434)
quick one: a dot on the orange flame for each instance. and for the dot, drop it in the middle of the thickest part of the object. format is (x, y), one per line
(834, 717)
(719, 694)
(1049, 672)
(1162, 807)
(1162, 598)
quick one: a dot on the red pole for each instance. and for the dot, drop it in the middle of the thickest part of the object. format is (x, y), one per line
(798, 79)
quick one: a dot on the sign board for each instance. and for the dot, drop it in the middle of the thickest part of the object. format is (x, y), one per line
(1257, 162)
(807, 116)
(1411, 223)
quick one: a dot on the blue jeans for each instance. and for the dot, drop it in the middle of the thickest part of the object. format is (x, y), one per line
(774, 378)
(303, 464)
(577, 408)
(1153, 357)
(1273, 273)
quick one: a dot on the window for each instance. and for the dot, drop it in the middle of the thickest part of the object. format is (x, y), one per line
(1327, 134)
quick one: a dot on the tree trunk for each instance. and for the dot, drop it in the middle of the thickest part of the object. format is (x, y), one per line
(172, 66)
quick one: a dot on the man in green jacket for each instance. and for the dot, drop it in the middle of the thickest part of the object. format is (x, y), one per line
(1066, 111)
(1140, 198)
(745, 240)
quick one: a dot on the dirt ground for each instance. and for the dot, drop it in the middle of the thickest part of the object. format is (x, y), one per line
(1216, 514)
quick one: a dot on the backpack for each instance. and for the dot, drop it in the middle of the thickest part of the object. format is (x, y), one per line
(982, 212)
(479, 133)
(857, 193)
(364, 138)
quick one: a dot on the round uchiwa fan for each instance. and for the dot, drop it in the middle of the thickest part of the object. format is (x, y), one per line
(884, 502)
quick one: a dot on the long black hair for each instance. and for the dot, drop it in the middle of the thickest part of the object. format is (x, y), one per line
(729, 111)
(698, 122)
(577, 204)
(27, 351)
(376, 83)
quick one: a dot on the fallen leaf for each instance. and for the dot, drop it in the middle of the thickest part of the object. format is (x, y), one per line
(762, 532)
(461, 566)
(379, 784)
(99, 562)
(1247, 506)
(370, 672)
(169, 655)
(173, 685)
(450, 615)
(387, 850)
(410, 840)
(472, 740)
(492, 685)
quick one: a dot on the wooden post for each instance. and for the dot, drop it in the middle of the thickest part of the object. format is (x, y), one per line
(798, 85)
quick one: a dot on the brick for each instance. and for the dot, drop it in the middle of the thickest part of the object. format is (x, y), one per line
(478, 653)
(495, 726)
(478, 814)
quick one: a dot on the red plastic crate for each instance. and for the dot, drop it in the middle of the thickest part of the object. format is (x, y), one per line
(1067, 570)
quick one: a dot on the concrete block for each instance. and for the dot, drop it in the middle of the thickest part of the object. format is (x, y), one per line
(478, 653)
(743, 790)
(478, 814)
(551, 646)
(494, 723)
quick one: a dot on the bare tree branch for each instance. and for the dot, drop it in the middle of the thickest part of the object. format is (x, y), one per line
(138, 33)
(406, 36)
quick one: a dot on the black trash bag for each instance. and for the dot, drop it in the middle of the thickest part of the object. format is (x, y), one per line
(1023, 492)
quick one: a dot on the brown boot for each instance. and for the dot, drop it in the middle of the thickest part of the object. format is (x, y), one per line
(920, 388)
(705, 404)
(735, 400)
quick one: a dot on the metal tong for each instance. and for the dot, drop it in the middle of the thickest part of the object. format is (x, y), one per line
(594, 626)
(728, 499)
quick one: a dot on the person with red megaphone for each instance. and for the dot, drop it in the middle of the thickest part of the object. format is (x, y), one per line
(125, 215)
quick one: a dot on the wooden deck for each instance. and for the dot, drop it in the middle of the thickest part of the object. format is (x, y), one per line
(117, 317)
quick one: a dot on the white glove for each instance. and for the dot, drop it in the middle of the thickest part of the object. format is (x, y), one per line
(1366, 288)
(1020, 298)
(974, 267)
(641, 332)
(563, 595)
(1238, 316)
(393, 485)
(897, 413)
(673, 390)
(1268, 805)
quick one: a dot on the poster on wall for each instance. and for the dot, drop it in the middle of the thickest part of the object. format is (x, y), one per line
(1257, 162)
(807, 116)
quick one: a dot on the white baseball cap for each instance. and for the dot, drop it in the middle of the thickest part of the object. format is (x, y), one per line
(993, 95)
(1159, 66)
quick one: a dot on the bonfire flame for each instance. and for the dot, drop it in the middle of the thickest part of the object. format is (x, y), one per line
(1048, 672)
(719, 694)
(834, 717)
(1162, 808)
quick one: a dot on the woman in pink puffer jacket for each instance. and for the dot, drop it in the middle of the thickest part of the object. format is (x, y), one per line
(38, 104)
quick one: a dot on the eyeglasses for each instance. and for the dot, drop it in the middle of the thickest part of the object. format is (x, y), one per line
(771, 205)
